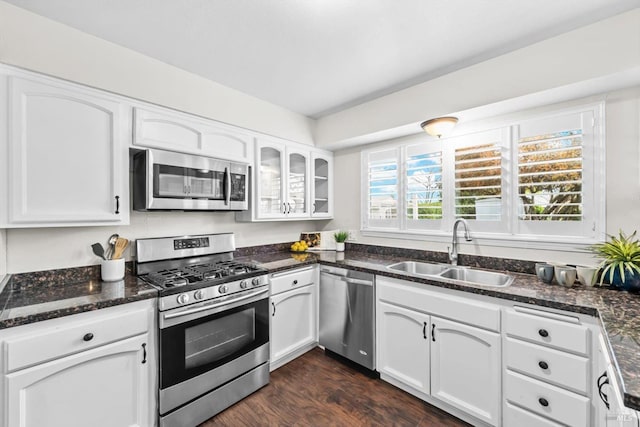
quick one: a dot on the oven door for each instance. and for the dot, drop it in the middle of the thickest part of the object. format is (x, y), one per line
(205, 345)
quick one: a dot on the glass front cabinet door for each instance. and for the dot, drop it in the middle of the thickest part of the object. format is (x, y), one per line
(297, 205)
(322, 185)
(292, 181)
(269, 181)
(282, 181)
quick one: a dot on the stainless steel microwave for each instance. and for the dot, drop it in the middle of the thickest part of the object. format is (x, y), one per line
(165, 180)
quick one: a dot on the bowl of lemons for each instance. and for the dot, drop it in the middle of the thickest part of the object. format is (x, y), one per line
(299, 247)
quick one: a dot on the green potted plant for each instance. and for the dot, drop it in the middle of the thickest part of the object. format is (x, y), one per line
(340, 237)
(620, 261)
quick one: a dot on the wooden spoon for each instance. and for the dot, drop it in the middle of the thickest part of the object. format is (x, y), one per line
(120, 246)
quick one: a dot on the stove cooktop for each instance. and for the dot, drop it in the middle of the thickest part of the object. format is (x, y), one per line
(208, 274)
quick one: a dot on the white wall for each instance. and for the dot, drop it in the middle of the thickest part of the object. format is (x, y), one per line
(50, 248)
(30, 41)
(603, 52)
(622, 184)
(3, 252)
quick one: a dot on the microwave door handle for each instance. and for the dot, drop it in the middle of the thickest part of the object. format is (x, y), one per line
(227, 186)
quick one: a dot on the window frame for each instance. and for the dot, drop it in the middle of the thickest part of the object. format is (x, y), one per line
(511, 234)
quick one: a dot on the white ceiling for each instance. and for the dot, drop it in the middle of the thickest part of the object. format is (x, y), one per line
(316, 57)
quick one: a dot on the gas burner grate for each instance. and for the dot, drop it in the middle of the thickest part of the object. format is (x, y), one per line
(220, 269)
(170, 278)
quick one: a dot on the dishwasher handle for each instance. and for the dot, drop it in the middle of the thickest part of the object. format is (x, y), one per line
(347, 279)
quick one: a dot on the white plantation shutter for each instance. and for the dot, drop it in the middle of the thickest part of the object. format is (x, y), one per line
(424, 185)
(478, 180)
(555, 185)
(382, 188)
(479, 191)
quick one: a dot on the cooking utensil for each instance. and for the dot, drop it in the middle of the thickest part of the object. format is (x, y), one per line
(112, 243)
(98, 250)
(120, 246)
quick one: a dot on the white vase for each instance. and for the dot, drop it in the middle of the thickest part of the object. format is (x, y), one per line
(339, 246)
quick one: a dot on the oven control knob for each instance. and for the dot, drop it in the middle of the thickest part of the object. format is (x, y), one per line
(198, 294)
(183, 299)
(244, 284)
(222, 289)
(255, 282)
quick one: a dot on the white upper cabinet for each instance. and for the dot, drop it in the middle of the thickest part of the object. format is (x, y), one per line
(287, 181)
(65, 159)
(175, 131)
(322, 185)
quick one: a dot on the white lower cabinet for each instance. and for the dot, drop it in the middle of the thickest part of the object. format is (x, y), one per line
(443, 360)
(547, 367)
(610, 410)
(105, 386)
(403, 350)
(465, 368)
(294, 315)
(101, 374)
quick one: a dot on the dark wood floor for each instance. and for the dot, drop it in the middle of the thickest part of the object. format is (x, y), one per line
(316, 390)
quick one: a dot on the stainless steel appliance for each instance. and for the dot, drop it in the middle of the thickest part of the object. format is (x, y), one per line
(347, 314)
(213, 324)
(165, 180)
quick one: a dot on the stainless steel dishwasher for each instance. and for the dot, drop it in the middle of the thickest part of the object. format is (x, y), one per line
(347, 314)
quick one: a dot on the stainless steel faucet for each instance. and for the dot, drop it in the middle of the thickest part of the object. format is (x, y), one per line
(453, 253)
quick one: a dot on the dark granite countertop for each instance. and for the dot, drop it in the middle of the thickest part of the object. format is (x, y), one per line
(619, 312)
(32, 297)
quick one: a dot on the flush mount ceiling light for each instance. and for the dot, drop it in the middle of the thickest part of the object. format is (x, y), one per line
(439, 126)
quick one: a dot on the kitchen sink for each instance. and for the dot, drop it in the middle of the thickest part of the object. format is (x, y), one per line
(479, 277)
(418, 268)
(449, 273)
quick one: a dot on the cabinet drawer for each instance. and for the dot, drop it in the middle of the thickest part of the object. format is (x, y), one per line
(72, 336)
(551, 331)
(418, 297)
(286, 280)
(561, 405)
(514, 416)
(553, 366)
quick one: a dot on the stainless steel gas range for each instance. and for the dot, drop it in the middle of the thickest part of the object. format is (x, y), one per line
(213, 324)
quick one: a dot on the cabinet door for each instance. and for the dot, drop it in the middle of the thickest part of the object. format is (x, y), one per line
(403, 345)
(269, 181)
(297, 195)
(465, 368)
(67, 159)
(321, 186)
(171, 130)
(106, 386)
(293, 321)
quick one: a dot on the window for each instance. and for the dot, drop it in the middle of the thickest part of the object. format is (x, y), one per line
(424, 186)
(382, 189)
(530, 180)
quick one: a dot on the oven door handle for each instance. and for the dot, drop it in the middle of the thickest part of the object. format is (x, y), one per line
(210, 306)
